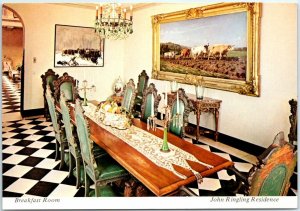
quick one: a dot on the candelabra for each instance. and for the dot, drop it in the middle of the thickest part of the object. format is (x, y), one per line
(175, 119)
(84, 88)
(152, 120)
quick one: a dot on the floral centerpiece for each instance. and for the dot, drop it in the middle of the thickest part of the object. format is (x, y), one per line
(114, 115)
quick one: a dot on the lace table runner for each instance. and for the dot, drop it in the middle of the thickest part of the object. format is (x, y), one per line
(149, 145)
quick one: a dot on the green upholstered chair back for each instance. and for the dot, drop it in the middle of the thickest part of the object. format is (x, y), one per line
(53, 113)
(185, 107)
(67, 120)
(142, 83)
(67, 89)
(48, 78)
(147, 99)
(147, 108)
(176, 127)
(271, 177)
(83, 133)
(66, 84)
(129, 95)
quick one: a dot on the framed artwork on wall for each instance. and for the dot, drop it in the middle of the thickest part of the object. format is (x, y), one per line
(216, 45)
(77, 47)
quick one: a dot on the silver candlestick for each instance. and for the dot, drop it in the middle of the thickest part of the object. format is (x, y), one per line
(86, 88)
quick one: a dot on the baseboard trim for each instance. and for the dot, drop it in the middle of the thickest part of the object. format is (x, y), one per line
(33, 112)
(234, 142)
(228, 140)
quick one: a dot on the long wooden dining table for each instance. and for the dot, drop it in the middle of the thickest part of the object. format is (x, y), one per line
(157, 179)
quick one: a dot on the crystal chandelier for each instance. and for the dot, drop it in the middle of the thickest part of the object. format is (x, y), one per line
(112, 22)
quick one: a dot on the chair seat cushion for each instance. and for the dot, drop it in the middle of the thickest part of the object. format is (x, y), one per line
(105, 190)
(107, 168)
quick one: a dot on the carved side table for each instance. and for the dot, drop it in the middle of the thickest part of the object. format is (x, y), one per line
(206, 105)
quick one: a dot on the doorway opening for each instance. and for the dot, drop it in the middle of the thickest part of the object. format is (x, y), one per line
(12, 65)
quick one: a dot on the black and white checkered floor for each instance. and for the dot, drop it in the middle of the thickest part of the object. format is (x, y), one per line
(29, 168)
(10, 95)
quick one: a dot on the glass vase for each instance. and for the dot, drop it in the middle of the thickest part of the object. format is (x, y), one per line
(165, 146)
(199, 92)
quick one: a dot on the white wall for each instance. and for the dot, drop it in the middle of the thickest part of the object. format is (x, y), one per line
(39, 21)
(253, 119)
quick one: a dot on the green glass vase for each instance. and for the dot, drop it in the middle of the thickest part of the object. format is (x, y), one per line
(165, 146)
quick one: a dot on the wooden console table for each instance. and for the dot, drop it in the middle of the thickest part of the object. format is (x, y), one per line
(207, 104)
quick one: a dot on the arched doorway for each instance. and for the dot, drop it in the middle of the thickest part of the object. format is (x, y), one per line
(13, 38)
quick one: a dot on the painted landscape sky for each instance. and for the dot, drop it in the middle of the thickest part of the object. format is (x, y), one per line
(222, 29)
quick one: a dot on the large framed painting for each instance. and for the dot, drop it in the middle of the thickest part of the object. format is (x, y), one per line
(216, 45)
(77, 47)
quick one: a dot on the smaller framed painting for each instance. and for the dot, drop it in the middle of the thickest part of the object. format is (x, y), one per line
(77, 47)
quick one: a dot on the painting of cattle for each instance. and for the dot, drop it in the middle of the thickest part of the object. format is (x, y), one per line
(78, 47)
(213, 46)
(218, 43)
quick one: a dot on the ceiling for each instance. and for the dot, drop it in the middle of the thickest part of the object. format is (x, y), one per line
(136, 6)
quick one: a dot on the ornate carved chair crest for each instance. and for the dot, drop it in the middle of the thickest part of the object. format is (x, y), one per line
(146, 106)
(129, 96)
(185, 107)
(48, 78)
(66, 84)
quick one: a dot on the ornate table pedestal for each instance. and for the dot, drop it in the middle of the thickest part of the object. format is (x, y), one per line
(206, 105)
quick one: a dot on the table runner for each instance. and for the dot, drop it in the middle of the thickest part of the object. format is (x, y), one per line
(149, 145)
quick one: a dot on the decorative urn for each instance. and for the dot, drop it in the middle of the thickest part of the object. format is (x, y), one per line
(118, 87)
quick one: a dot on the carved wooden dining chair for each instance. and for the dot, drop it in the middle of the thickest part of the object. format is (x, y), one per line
(129, 96)
(269, 177)
(60, 136)
(185, 107)
(141, 86)
(102, 170)
(48, 78)
(66, 84)
(74, 149)
(147, 98)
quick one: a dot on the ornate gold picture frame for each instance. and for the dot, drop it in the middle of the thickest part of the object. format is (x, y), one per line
(216, 45)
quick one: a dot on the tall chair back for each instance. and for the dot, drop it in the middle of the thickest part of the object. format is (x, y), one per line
(47, 79)
(147, 102)
(67, 85)
(129, 95)
(86, 144)
(69, 127)
(142, 84)
(184, 109)
(74, 150)
(141, 87)
(56, 122)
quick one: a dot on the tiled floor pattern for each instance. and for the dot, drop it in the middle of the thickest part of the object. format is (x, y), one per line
(10, 95)
(29, 168)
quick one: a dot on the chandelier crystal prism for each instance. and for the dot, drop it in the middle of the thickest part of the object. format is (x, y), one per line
(111, 21)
